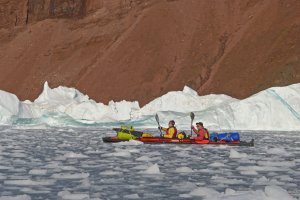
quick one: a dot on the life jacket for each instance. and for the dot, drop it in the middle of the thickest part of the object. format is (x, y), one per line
(169, 132)
(202, 134)
(206, 136)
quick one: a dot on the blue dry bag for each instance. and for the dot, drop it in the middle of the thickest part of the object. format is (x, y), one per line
(229, 137)
(213, 137)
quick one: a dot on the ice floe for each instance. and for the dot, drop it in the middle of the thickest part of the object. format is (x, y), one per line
(154, 169)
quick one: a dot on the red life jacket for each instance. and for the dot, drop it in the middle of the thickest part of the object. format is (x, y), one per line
(202, 134)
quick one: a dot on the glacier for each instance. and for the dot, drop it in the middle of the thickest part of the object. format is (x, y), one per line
(274, 109)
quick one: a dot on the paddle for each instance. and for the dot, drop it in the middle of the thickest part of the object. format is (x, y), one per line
(157, 120)
(192, 115)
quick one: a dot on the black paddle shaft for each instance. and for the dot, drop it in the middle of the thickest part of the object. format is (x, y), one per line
(157, 120)
(192, 115)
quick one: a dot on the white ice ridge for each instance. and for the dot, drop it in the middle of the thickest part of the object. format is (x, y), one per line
(276, 108)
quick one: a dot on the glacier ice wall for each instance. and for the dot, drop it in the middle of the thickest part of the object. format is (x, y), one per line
(276, 108)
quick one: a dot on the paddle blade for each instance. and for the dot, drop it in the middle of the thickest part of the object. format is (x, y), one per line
(192, 116)
(157, 119)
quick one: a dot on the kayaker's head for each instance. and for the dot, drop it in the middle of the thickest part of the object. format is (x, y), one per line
(199, 125)
(171, 123)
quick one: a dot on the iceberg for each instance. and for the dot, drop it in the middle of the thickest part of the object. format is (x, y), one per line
(9, 106)
(274, 109)
(184, 101)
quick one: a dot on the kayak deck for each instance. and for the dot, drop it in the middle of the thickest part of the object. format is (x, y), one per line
(159, 140)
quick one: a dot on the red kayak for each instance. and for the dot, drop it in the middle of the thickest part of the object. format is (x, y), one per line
(159, 140)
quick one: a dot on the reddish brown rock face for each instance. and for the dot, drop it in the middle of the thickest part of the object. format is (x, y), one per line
(140, 49)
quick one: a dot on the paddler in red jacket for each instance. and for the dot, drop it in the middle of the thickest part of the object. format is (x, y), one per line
(201, 132)
(171, 132)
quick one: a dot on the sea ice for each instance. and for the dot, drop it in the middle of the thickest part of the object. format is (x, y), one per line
(111, 173)
(204, 192)
(129, 143)
(19, 197)
(132, 196)
(66, 195)
(278, 151)
(29, 182)
(270, 193)
(235, 154)
(75, 155)
(151, 171)
(154, 169)
(70, 176)
(144, 158)
(184, 170)
(38, 172)
(121, 153)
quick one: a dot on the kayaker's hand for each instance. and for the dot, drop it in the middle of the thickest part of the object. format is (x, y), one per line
(192, 127)
(159, 128)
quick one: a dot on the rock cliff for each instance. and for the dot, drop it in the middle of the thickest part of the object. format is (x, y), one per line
(140, 49)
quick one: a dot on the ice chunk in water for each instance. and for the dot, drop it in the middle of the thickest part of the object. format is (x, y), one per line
(235, 154)
(129, 143)
(277, 151)
(154, 169)
(276, 192)
(19, 197)
(66, 195)
(184, 170)
(204, 192)
(132, 196)
(38, 172)
(75, 155)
